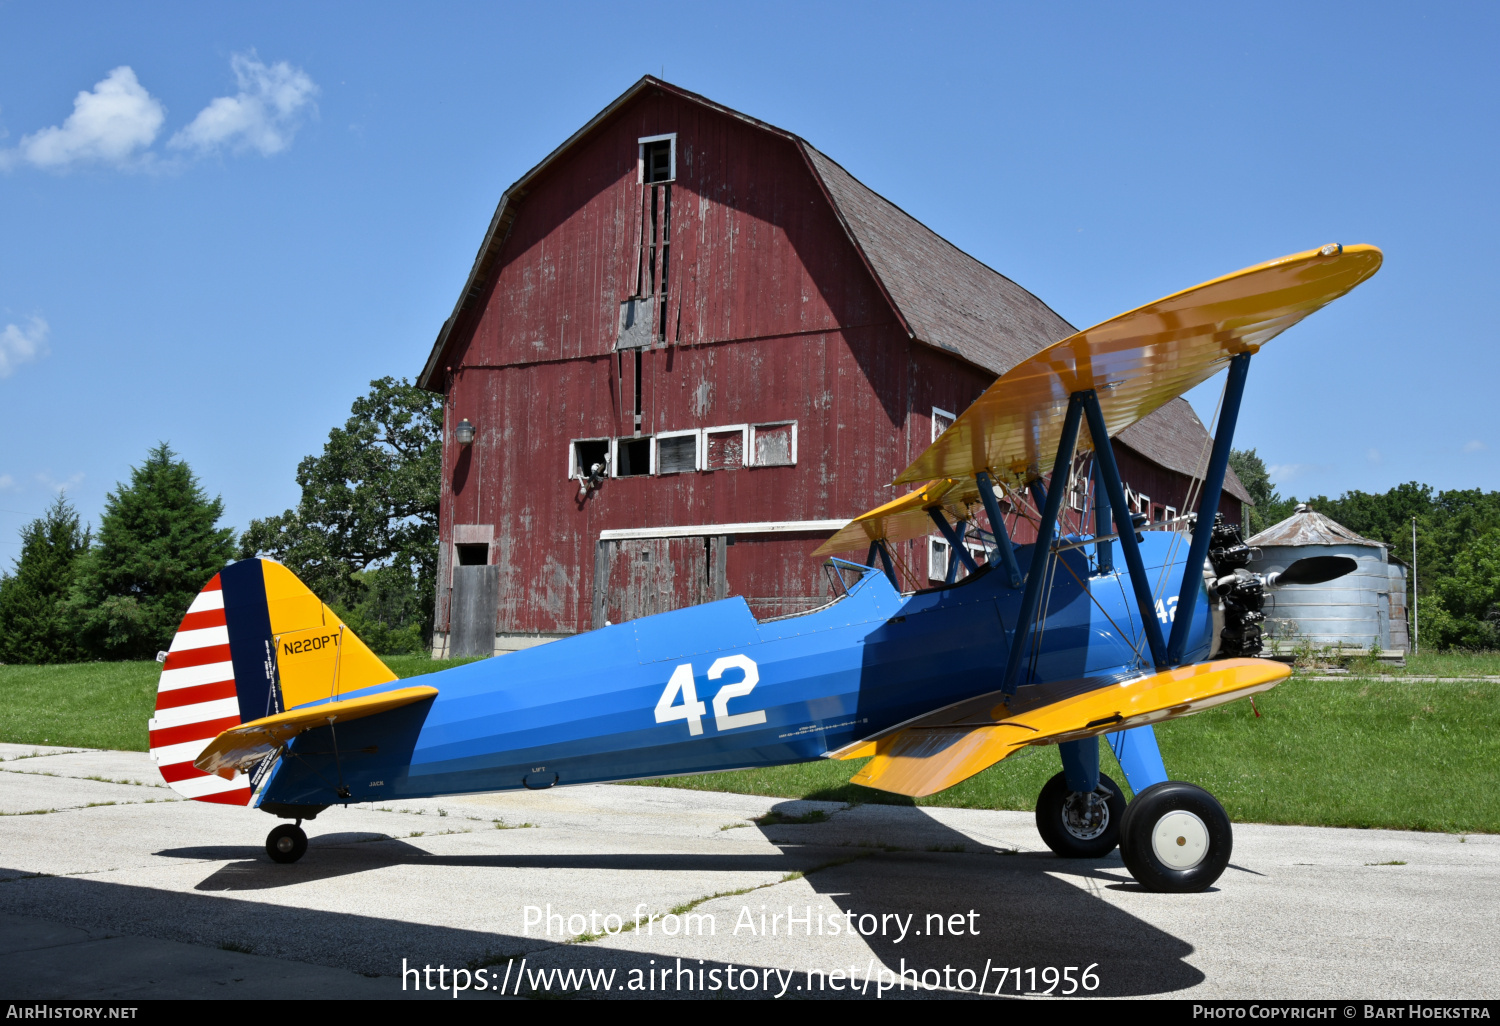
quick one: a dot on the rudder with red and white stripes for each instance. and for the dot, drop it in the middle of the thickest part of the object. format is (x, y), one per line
(196, 700)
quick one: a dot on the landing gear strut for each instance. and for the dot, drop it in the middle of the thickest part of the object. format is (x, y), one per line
(1080, 826)
(1175, 837)
(286, 843)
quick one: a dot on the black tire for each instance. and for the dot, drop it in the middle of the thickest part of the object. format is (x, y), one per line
(287, 843)
(1058, 814)
(1162, 846)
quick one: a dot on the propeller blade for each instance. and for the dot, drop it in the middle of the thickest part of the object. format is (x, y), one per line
(1317, 570)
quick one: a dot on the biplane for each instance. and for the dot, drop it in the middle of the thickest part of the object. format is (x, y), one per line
(267, 698)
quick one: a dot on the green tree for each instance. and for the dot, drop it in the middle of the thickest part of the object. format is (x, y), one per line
(1270, 508)
(34, 622)
(364, 536)
(1465, 609)
(159, 543)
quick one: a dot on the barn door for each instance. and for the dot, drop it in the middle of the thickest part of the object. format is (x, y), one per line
(650, 575)
(475, 605)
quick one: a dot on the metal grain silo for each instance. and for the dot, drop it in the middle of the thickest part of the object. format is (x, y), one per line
(1353, 611)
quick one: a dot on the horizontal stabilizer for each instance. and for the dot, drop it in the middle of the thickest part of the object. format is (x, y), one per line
(943, 748)
(239, 748)
(255, 641)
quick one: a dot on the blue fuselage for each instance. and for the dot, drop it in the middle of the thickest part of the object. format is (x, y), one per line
(617, 703)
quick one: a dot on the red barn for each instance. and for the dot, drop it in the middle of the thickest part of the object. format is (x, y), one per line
(691, 346)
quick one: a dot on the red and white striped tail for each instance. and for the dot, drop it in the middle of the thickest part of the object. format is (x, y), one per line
(196, 701)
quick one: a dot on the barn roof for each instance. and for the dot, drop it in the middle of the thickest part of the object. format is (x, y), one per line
(942, 296)
(1174, 437)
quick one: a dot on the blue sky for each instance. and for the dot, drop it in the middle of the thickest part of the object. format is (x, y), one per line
(253, 210)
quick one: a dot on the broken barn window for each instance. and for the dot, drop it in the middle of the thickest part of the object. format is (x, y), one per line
(658, 158)
(586, 453)
(632, 457)
(473, 555)
(937, 559)
(942, 420)
(677, 452)
(774, 445)
(725, 447)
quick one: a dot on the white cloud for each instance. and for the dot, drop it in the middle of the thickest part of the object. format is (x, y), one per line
(7, 483)
(1475, 445)
(1374, 456)
(263, 116)
(22, 345)
(51, 482)
(107, 125)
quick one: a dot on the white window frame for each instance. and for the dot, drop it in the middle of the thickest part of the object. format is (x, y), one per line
(575, 472)
(697, 449)
(614, 454)
(939, 412)
(1143, 505)
(640, 156)
(1169, 513)
(750, 460)
(745, 450)
(936, 545)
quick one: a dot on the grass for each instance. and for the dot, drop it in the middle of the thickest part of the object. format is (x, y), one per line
(1434, 664)
(106, 705)
(1360, 753)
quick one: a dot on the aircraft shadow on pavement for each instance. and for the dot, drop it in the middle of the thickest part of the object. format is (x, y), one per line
(1030, 910)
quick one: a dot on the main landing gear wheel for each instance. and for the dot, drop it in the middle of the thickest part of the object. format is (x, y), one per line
(287, 843)
(1077, 825)
(1176, 838)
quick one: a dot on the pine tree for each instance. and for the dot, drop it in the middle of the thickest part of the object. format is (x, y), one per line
(159, 543)
(34, 622)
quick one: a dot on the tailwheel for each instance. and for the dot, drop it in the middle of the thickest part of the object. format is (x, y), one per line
(287, 843)
(1077, 825)
(1176, 838)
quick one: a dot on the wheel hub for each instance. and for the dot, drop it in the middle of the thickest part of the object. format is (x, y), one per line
(285, 845)
(1180, 840)
(1085, 816)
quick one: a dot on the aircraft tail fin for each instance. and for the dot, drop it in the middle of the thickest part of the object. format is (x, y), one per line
(255, 642)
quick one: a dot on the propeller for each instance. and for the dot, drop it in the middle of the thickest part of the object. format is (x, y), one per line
(1313, 570)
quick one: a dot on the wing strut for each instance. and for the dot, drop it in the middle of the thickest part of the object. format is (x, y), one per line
(877, 547)
(1104, 457)
(957, 550)
(1208, 507)
(1004, 553)
(1042, 550)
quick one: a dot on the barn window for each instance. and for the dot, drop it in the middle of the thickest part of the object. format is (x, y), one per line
(585, 453)
(658, 158)
(677, 452)
(725, 447)
(473, 555)
(942, 420)
(774, 445)
(937, 558)
(632, 457)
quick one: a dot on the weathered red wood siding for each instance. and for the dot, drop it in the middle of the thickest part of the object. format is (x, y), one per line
(773, 317)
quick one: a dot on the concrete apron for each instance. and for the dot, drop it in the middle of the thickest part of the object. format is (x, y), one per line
(111, 887)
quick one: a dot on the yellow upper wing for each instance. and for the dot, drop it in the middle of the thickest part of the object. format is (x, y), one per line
(1136, 362)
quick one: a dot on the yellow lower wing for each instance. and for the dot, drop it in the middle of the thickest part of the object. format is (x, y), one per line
(241, 747)
(943, 748)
